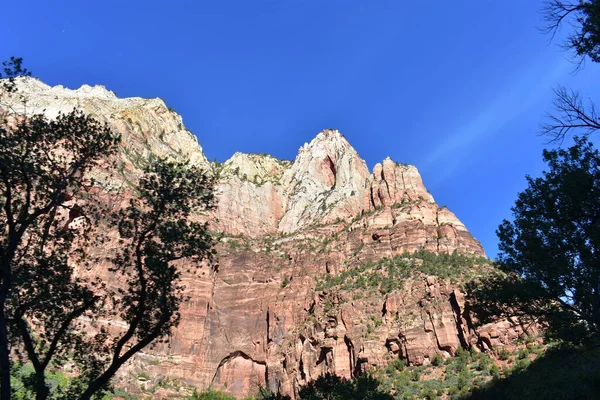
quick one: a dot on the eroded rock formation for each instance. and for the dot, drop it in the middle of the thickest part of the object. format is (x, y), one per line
(255, 317)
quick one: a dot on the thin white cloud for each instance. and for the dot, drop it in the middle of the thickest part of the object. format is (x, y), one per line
(509, 104)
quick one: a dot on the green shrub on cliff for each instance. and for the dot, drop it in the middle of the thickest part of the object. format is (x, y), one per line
(388, 274)
(211, 395)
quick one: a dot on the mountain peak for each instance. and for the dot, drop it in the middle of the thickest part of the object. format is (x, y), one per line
(329, 136)
(324, 183)
(329, 133)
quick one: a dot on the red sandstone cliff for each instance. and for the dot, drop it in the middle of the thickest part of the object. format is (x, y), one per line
(255, 317)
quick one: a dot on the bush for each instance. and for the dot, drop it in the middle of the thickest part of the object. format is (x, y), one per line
(521, 364)
(332, 387)
(504, 354)
(483, 363)
(396, 365)
(429, 394)
(494, 371)
(437, 360)
(464, 380)
(211, 395)
(523, 354)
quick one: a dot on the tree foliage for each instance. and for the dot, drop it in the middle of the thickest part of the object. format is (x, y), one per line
(564, 372)
(584, 17)
(57, 231)
(551, 250)
(333, 387)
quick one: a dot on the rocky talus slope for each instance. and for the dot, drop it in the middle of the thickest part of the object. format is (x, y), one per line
(271, 311)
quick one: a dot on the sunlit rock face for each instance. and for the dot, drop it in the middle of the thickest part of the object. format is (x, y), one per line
(254, 316)
(326, 182)
(148, 127)
(250, 194)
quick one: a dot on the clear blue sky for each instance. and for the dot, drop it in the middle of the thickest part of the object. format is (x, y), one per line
(457, 88)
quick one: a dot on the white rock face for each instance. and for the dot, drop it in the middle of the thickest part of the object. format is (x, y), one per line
(148, 127)
(248, 209)
(249, 194)
(326, 182)
(256, 168)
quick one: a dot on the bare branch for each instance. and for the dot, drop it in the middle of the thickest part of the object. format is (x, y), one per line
(573, 114)
(555, 12)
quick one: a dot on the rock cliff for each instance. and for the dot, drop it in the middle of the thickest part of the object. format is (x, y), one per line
(305, 280)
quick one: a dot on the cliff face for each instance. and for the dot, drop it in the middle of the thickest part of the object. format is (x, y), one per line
(258, 315)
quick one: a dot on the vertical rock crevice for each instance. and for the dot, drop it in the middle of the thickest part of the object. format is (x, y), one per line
(269, 340)
(459, 321)
(351, 355)
(331, 166)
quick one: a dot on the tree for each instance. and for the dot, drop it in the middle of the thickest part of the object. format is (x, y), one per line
(333, 387)
(574, 114)
(584, 17)
(550, 252)
(36, 179)
(57, 231)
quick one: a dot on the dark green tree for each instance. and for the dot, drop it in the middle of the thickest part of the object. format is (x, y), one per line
(333, 387)
(584, 17)
(42, 164)
(158, 230)
(57, 230)
(550, 252)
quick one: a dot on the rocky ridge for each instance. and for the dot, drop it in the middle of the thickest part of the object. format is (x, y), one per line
(257, 316)
(148, 127)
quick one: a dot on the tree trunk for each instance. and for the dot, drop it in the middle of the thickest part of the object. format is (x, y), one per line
(4, 357)
(100, 382)
(41, 390)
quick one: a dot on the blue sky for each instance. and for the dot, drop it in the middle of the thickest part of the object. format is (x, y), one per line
(456, 88)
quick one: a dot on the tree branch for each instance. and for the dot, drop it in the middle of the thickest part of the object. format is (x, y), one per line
(76, 313)
(572, 115)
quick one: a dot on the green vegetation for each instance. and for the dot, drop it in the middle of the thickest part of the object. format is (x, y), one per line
(563, 372)
(407, 202)
(23, 385)
(437, 360)
(388, 274)
(467, 375)
(583, 17)
(549, 251)
(217, 168)
(332, 387)
(45, 164)
(263, 394)
(211, 395)
(454, 378)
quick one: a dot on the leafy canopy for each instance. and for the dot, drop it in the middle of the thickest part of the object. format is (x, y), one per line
(550, 252)
(333, 387)
(584, 17)
(63, 225)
